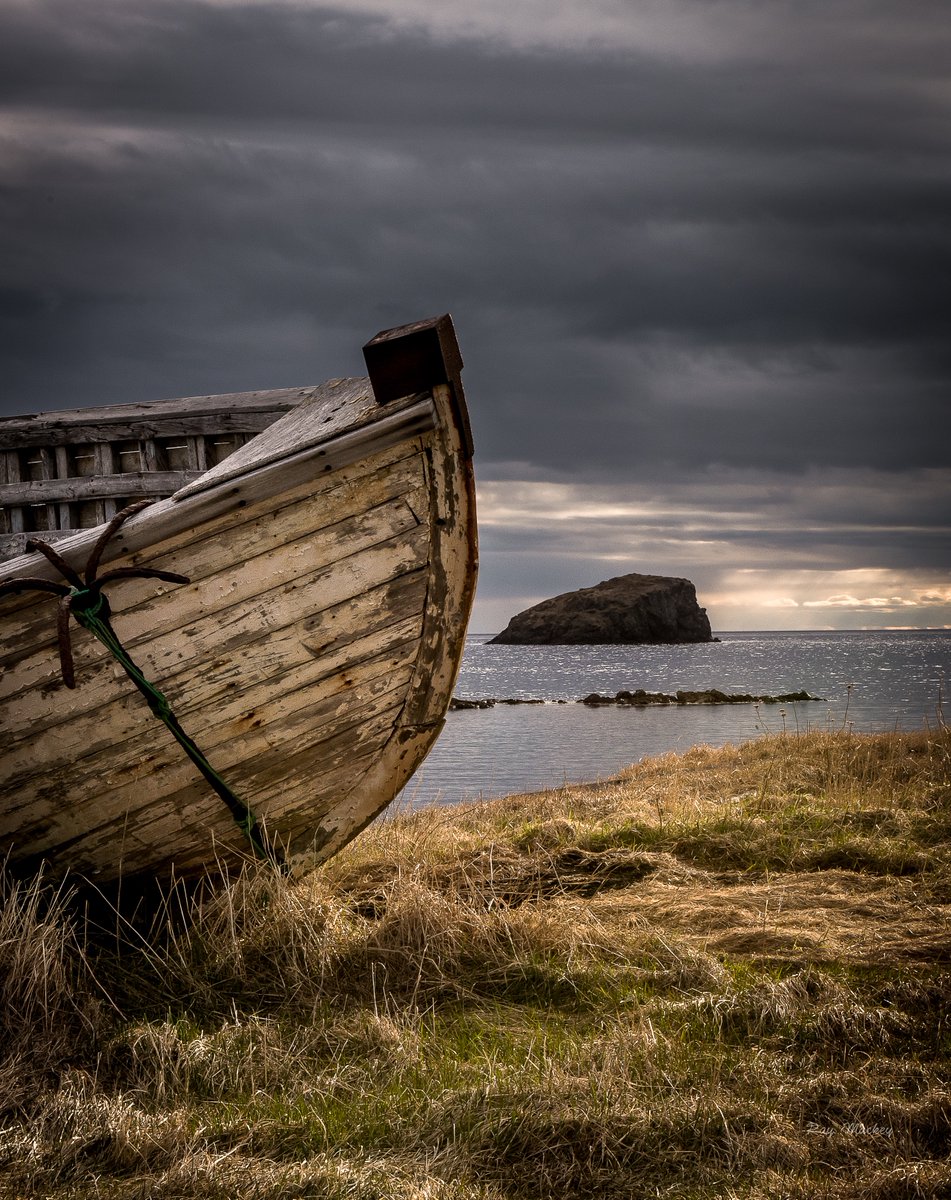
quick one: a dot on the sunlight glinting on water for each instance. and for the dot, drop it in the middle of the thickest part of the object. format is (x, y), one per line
(867, 681)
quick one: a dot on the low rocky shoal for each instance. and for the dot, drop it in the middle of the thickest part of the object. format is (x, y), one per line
(643, 699)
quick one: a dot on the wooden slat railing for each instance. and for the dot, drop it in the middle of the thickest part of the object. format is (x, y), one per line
(63, 471)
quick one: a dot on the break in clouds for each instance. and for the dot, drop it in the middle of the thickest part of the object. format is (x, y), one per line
(697, 255)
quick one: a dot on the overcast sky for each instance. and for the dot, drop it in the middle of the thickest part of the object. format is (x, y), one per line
(698, 253)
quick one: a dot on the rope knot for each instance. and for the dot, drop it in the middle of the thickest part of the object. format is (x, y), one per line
(88, 602)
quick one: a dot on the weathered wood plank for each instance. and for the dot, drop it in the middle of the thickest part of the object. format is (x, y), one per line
(157, 428)
(255, 655)
(43, 468)
(246, 760)
(191, 816)
(227, 690)
(183, 511)
(13, 545)
(208, 547)
(308, 776)
(331, 419)
(122, 706)
(239, 580)
(63, 510)
(96, 487)
(9, 466)
(393, 476)
(113, 784)
(246, 412)
(336, 408)
(339, 492)
(108, 781)
(96, 699)
(204, 830)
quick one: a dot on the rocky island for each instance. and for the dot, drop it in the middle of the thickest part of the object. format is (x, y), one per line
(630, 609)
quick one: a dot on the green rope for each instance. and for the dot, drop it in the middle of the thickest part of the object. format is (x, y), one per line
(91, 609)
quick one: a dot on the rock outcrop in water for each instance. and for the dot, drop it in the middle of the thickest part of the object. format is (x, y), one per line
(630, 609)
(642, 699)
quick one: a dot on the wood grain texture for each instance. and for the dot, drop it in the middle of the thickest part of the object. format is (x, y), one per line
(96, 487)
(157, 635)
(251, 411)
(311, 655)
(62, 471)
(188, 509)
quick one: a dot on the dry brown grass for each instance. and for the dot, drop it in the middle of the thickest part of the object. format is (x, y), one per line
(720, 974)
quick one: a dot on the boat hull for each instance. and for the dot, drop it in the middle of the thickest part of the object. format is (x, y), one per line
(311, 655)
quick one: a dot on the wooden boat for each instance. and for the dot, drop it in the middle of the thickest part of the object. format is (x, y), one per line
(312, 655)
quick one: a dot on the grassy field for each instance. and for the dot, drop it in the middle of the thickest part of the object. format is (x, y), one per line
(721, 974)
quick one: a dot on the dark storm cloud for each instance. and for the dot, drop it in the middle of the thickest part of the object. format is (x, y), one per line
(599, 195)
(265, 61)
(665, 262)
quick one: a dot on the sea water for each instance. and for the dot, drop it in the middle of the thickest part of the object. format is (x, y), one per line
(867, 681)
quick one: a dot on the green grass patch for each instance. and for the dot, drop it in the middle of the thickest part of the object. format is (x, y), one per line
(723, 974)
